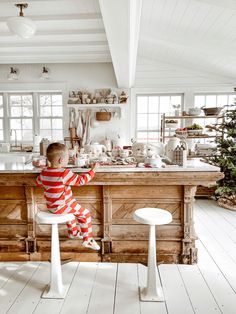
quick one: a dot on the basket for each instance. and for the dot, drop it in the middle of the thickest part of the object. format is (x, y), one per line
(212, 111)
(103, 115)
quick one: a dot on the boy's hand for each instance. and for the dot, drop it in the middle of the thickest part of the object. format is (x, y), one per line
(94, 166)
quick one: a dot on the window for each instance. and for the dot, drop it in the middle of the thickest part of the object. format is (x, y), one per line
(27, 114)
(21, 116)
(212, 100)
(1, 118)
(51, 116)
(149, 111)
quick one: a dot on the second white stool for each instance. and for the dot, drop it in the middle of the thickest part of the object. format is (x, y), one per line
(55, 289)
(152, 217)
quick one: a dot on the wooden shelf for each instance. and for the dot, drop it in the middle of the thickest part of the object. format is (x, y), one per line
(191, 117)
(92, 106)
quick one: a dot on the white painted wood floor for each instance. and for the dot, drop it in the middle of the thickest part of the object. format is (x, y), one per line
(208, 287)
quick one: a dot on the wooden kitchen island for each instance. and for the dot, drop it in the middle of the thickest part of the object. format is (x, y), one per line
(112, 197)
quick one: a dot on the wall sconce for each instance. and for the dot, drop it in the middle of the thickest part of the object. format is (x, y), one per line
(45, 74)
(14, 74)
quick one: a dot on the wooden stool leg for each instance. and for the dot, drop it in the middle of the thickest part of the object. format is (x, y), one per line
(56, 289)
(152, 292)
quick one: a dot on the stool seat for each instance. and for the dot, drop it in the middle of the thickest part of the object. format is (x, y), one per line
(49, 218)
(152, 216)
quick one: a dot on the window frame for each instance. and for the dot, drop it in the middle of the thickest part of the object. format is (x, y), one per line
(158, 130)
(35, 118)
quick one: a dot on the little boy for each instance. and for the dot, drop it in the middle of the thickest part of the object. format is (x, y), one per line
(56, 181)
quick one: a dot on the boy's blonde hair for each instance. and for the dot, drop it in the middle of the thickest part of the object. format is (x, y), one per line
(55, 151)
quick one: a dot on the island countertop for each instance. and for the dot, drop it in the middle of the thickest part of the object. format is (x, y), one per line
(112, 197)
(192, 165)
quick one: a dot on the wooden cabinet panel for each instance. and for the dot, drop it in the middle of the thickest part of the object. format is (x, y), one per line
(13, 211)
(146, 192)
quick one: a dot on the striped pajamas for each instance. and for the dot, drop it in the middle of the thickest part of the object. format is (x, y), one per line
(56, 183)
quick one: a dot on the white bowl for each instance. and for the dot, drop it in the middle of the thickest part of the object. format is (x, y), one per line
(194, 111)
(195, 132)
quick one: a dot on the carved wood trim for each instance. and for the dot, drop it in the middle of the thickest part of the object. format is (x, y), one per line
(31, 212)
(107, 219)
(189, 252)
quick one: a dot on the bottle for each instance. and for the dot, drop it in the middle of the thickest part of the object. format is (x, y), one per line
(36, 141)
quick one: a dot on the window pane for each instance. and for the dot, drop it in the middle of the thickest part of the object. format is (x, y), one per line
(222, 100)
(1, 111)
(153, 121)
(1, 124)
(153, 104)
(142, 104)
(211, 101)
(26, 124)
(27, 100)
(27, 135)
(27, 111)
(142, 136)
(45, 123)
(56, 100)
(15, 111)
(153, 136)
(45, 100)
(15, 124)
(1, 100)
(57, 123)
(57, 111)
(142, 122)
(46, 134)
(231, 100)
(175, 100)
(199, 101)
(57, 135)
(165, 104)
(15, 100)
(18, 134)
(1, 135)
(45, 111)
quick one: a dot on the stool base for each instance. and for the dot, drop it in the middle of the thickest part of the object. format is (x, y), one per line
(151, 297)
(50, 294)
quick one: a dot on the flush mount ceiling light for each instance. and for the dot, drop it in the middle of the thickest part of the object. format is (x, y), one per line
(13, 75)
(20, 25)
(45, 75)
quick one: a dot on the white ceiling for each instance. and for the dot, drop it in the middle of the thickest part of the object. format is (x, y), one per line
(193, 34)
(67, 31)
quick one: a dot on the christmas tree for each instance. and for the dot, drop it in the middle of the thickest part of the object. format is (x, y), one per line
(225, 158)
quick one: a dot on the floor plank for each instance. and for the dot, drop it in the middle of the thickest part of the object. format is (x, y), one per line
(78, 297)
(177, 299)
(216, 281)
(13, 287)
(7, 270)
(127, 298)
(54, 305)
(103, 292)
(201, 297)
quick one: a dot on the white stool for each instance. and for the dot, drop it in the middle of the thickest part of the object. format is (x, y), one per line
(56, 289)
(152, 217)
